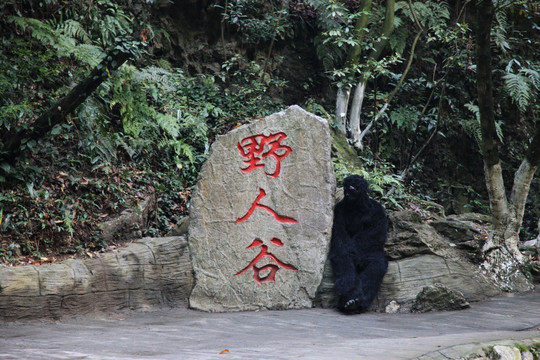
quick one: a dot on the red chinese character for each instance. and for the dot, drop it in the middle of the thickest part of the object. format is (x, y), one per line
(253, 149)
(273, 268)
(280, 218)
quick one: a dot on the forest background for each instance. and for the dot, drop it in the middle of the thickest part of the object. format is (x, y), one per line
(103, 102)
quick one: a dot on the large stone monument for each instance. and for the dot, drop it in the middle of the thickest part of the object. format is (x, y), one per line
(261, 215)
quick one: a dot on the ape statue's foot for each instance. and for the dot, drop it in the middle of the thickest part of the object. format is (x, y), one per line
(352, 306)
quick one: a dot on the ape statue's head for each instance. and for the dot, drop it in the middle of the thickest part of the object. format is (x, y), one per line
(355, 187)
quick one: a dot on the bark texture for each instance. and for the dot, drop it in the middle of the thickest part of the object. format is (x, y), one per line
(502, 256)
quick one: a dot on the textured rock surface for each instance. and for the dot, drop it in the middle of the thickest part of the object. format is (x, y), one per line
(439, 298)
(131, 224)
(150, 272)
(251, 221)
(502, 352)
(422, 257)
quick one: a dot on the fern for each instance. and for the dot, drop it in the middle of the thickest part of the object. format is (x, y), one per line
(113, 26)
(46, 34)
(499, 30)
(534, 77)
(168, 124)
(90, 55)
(156, 76)
(473, 126)
(74, 29)
(519, 88)
(62, 39)
(98, 142)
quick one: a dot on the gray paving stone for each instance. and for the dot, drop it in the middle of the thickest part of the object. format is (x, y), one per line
(307, 334)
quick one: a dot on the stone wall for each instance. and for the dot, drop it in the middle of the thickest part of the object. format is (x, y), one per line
(148, 273)
(158, 272)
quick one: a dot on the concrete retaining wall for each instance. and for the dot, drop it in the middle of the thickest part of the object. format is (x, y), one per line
(150, 272)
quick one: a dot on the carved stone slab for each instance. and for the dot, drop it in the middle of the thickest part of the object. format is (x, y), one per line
(261, 215)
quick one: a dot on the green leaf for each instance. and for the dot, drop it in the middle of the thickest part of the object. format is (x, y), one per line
(56, 130)
(6, 167)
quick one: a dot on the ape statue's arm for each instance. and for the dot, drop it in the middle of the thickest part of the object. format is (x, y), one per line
(377, 229)
(341, 251)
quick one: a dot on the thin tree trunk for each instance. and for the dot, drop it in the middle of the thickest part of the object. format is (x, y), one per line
(357, 139)
(342, 105)
(356, 110)
(358, 99)
(353, 58)
(501, 254)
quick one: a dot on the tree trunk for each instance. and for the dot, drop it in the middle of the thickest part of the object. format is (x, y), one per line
(501, 254)
(538, 237)
(356, 110)
(358, 98)
(58, 112)
(342, 106)
(353, 58)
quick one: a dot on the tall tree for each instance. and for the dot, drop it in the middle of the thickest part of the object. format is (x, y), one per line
(372, 36)
(353, 37)
(501, 253)
(354, 59)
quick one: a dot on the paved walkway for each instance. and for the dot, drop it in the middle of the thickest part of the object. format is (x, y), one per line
(292, 334)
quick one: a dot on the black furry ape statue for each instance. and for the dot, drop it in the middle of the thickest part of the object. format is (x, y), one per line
(357, 247)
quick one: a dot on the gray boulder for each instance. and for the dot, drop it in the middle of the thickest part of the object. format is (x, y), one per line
(439, 298)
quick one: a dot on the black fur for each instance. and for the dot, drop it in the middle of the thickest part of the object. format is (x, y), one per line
(357, 247)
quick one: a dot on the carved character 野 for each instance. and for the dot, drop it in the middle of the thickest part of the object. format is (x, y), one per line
(255, 149)
(357, 247)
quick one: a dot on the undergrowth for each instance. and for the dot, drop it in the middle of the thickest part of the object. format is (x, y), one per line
(145, 131)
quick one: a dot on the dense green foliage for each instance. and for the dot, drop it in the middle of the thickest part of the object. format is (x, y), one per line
(148, 128)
